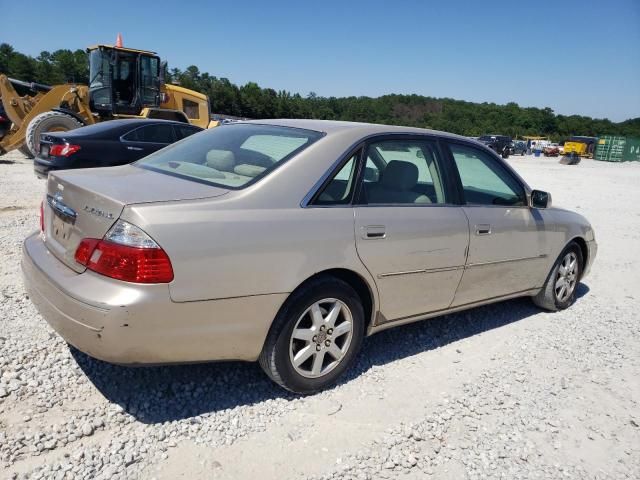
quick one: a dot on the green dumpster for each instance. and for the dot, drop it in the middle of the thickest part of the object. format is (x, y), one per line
(617, 149)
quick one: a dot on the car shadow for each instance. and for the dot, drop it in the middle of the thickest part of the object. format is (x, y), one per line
(167, 393)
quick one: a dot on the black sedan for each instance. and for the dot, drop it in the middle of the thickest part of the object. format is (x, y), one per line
(106, 144)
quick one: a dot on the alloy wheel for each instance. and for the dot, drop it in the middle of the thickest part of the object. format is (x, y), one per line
(567, 277)
(320, 338)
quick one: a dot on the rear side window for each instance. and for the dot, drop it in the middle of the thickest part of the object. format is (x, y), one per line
(484, 180)
(151, 134)
(340, 188)
(231, 155)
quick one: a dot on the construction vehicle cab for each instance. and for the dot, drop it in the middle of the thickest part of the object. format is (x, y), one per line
(123, 81)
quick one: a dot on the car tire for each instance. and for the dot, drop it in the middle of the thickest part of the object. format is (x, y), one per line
(48, 122)
(291, 360)
(551, 297)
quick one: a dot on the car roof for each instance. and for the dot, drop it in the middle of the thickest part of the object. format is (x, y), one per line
(139, 121)
(331, 127)
(115, 126)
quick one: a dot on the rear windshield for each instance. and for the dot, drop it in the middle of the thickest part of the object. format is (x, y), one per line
(230, 156)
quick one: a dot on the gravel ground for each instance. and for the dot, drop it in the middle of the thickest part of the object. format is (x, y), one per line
(504, 391)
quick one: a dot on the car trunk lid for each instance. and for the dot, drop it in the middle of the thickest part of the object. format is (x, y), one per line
(86, 203)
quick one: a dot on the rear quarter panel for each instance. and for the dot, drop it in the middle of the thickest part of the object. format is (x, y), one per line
(218, 251)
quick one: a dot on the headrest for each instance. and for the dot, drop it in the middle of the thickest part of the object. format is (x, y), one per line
(221, 160)
(248, 170)
(399, 175)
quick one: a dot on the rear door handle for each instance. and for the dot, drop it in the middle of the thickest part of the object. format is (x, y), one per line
(483, 229)
(372, 232)
(137, 149)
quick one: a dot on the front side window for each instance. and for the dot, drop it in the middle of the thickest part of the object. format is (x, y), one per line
(484, 181)
(232, 155)
(403, 172)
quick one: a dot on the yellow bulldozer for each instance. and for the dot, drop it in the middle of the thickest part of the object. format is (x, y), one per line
(124, 83)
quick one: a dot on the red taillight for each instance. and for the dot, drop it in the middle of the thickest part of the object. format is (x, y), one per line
(85, 249)
(42, 216)
(65, 150)
(122, 262)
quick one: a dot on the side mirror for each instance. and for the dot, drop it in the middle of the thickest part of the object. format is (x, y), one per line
(540, 199)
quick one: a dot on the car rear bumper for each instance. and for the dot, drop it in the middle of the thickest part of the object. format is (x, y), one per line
(128, 324)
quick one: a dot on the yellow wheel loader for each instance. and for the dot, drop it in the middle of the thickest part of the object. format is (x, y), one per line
(124, 83)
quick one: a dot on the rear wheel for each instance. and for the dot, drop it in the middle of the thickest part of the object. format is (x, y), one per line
(559, 291)
(48, 122)
(315, 337)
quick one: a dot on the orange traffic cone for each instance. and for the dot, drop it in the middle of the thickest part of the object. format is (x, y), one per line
(119, 41)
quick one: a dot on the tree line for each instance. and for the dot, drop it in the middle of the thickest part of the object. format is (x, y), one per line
(252, 101)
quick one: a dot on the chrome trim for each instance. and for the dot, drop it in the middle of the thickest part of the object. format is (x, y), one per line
(426, 270)
(496, 262)
(60, 209)
(98, 212)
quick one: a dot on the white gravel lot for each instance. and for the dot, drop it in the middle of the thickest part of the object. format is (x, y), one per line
(504, 391)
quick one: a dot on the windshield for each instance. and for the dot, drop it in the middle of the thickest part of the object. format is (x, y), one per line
(100, 81)
(231, 156)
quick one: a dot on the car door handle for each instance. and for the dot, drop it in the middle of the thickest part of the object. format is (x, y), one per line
(372, 232)
(137, 149)
(483, 229)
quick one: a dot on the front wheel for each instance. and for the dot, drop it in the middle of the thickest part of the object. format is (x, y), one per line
(559, 290)
(315, 337)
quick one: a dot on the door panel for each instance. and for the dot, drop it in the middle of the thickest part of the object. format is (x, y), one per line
(415, 253)
(506, 237)
(508, 258)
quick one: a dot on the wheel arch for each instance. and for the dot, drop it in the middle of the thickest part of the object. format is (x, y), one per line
(362, 287)
(584, 250)
(71, 113)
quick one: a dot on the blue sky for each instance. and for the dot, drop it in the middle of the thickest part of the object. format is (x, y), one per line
(579, 57)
